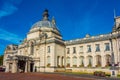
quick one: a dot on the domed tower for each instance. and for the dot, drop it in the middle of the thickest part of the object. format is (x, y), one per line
(44, 26)
(44, 45)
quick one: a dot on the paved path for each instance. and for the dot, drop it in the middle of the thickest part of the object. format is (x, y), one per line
(38, 76)
(50, 76)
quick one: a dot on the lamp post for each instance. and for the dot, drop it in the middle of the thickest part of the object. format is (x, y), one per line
(113, 67)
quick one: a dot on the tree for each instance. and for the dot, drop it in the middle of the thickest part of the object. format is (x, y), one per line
(1, 60)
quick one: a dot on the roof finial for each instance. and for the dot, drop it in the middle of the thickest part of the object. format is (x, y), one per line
(45, 15)
(53, 20)
(114, 13)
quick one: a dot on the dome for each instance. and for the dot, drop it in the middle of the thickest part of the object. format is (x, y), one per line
(44, 24)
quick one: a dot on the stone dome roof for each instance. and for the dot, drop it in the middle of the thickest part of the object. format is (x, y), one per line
(44, 23)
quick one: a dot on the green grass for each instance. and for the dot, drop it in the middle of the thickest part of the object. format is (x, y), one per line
(118, 75)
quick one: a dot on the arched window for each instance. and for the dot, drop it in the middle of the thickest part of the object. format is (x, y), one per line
(81, 61)
(108, 60)
(68, 62)
(89, 61)
(32, 48)
(98, 60)
(74, 61)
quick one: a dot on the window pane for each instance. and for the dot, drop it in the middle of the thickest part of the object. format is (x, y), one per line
(32, 49)
(68, 50)
(74, 49)
(48, 49)
(81, 48)
(74, 61)
(107, 47)
(89, 48)
(97, 47)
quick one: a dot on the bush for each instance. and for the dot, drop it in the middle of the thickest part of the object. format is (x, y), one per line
(58, 66)
(74, 65)
(68, 65)
(89, 65)
(48, 65)
(99, 73)
(81, 65)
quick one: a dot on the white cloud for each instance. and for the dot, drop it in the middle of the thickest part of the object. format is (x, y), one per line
(8, 36)
(9, 7)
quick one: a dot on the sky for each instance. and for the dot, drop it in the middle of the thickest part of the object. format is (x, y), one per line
(74, 18)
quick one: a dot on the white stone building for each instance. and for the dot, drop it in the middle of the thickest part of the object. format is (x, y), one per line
(44, 50)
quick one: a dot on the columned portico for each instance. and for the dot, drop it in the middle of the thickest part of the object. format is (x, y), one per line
(19, 64)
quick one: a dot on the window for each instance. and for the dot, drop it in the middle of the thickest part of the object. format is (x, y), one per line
(74, 49)
(32, 48)
(81, 48)
(48, 49)
(48, 61)
(68, 62)
(74, 61)
(68, 50)
(97, 47)
(89, 48)
(107, 47)
(90, 62)
(81, 61)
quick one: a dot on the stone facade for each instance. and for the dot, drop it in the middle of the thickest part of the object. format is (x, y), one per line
(44, 50)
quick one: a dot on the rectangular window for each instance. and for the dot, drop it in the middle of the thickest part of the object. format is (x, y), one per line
(81, 49)
(74, 49)
(88, 48)
(48, 49)
(97, 47)
(68, 50)
(107, 47)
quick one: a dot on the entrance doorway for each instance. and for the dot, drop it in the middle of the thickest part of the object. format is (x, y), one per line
(31, 67)
(21, 65)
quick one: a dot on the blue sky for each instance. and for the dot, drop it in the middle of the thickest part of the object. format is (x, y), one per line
(74, 18)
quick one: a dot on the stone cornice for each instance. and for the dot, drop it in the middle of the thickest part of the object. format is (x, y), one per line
(92, 39)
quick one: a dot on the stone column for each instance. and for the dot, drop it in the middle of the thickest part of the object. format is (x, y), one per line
(7, 67)
(14, 66)
(26, 67)
(85, 62)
